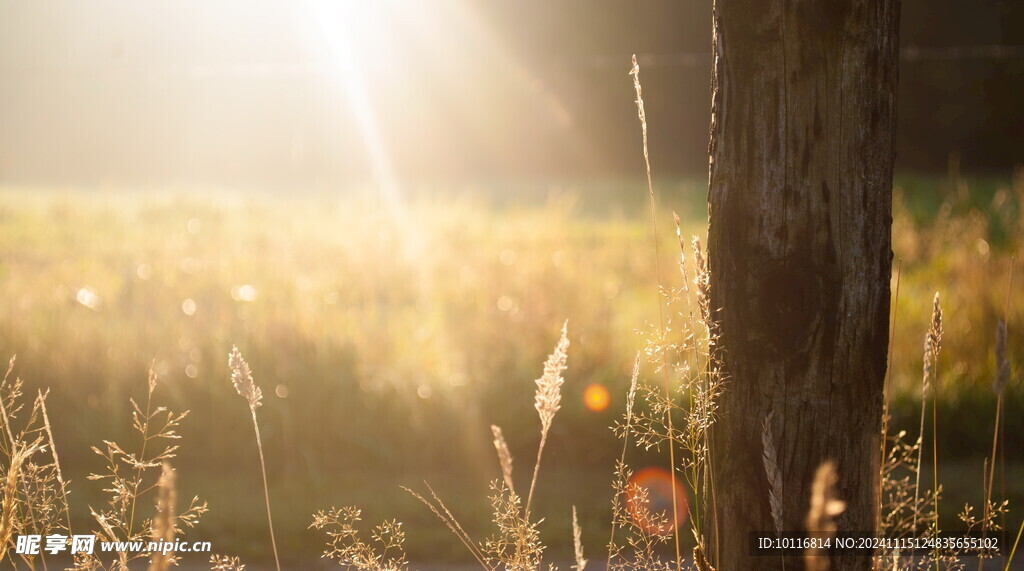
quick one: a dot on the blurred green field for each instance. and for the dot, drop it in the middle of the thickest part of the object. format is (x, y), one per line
(388, 335)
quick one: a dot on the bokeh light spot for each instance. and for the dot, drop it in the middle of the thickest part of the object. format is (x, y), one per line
(655, 514)
(244, 292)
(88, 298)
(596, 397)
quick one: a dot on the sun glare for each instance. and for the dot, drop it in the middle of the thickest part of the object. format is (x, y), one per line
(353, 31)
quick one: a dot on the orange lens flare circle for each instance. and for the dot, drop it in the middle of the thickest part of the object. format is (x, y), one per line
(649, 500)
(596, 397)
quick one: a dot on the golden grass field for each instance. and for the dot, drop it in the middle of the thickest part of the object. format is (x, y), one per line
(388, 335)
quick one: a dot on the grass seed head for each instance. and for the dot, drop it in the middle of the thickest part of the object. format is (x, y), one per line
(577, 543)
(549, 386)
(504, 456)
(932, 343)
(241, 377)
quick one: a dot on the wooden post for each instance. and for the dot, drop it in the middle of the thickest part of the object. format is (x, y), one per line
(802, 150)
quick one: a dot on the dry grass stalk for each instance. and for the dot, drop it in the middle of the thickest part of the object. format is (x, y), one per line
(769, 457)
(902, 509)
(1013, 551)
(999, 385)
(701, 386)
(1002, 377)
(40, 502)
(41, 399)
(703, 281)
(932, 345)
(935, 345)
(42, 496)
(504, 456)
(8, 409)
(13, 390)
(682, 248)
(548, 400)
(577, 543)
(1002, 363)
(443, 514)
(163, 525)
(700, 561)
(128, 478)
(700, 407)
(646, 531)
(988, 521)
(642, 115)
(820, 517)
(517, 544)
(631, 394)
(888, 391)
(712, 387)
(346, 548)
(700, 281)
(225, 563)
(8, 523)
(625, 428)
(241, 377)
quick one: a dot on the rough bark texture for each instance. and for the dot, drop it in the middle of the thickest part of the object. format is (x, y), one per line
(803, 123)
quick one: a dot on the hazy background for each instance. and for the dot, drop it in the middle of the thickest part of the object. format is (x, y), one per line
(159, 94)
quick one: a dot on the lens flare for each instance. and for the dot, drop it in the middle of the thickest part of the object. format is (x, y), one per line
(596, 397)
(655, 515)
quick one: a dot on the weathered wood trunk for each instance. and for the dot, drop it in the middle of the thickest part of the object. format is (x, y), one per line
(802, 133)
